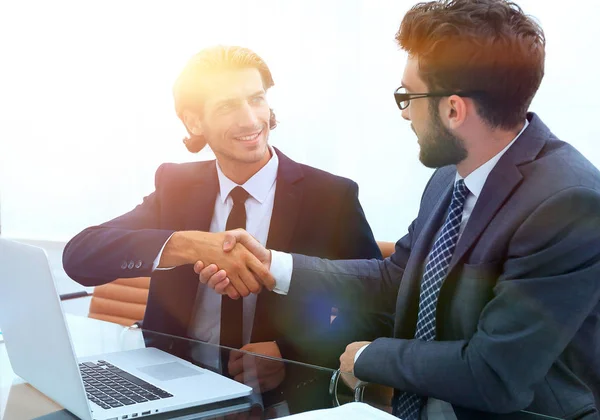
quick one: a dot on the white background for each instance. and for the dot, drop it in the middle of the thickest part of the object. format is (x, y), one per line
(86, 112)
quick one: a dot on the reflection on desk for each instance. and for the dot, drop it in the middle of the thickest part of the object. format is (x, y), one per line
(288, 388)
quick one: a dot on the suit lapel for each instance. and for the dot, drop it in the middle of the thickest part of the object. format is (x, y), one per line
(286, 209)
(202, 195)
(501, 182)
(197, 215)
(407, 304)
(434, 222)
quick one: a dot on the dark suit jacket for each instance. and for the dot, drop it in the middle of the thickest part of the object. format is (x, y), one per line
(518, 316)
(314, 213)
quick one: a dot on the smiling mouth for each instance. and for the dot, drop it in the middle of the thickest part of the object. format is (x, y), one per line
(249, 137)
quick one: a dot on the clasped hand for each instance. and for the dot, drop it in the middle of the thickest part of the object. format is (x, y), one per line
(237, 279)
(261, 373)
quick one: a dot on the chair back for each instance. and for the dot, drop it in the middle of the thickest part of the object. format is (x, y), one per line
(386, 248)
(122, 301)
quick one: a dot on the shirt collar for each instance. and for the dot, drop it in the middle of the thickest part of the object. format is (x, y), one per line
(476, 179)
(258, 186)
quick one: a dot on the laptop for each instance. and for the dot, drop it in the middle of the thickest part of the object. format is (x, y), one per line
(122, 385)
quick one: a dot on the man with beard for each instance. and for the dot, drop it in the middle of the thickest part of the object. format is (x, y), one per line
(495, 286)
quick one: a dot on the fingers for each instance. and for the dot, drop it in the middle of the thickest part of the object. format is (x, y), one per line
(248, 241)
(235, 355)
(198, 267)
(236, 363)
(216, 278)
(205, 273)
(238, 283)
(243, 273)
(262, 273)
(237, 236)
(229, 290)
(250, 281)
(229, 242)
(240, 278)
(239, 273)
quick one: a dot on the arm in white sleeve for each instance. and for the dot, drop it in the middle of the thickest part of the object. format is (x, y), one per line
(157, 259)
(282, 265)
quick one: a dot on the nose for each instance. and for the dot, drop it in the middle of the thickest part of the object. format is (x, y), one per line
(405, 113)
(247, 116)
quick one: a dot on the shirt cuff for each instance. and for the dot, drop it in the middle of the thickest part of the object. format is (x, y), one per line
(157, 259)
(358, 353)
(282, 265)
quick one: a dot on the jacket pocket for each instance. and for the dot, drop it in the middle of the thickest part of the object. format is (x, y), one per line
(484, 271)
(462, 298)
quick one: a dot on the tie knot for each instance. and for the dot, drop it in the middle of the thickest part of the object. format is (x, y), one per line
(239, 195)
(460, 191)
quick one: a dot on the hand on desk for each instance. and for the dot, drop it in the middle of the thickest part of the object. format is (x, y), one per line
(226, 281)
(347, 358)
(260, 373)
(376, 395)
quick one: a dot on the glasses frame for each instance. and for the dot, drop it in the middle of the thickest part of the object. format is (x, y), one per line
(407, 97)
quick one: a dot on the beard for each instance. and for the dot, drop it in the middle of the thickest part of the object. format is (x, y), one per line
(439, 146)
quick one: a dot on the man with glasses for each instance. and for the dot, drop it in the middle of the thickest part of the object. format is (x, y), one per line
(496, 285)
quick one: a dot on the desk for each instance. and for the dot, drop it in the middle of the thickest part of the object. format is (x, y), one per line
(307, 385)
(290, 387)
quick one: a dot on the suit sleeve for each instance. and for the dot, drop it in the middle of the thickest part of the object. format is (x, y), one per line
(353, 240)
(123, 247)
(369, 284)
(549, 286)
(347, 284)
(356, 241)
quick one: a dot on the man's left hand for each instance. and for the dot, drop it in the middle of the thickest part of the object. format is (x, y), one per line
(347, 364)
(260, 373)
(347, 359)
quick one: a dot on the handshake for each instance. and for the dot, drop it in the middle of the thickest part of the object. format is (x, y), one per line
(232, 263)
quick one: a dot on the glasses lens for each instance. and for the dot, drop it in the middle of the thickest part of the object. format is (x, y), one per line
(401, 98)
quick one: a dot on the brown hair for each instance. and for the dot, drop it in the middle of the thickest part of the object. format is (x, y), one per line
(485, 46)
(187, 91)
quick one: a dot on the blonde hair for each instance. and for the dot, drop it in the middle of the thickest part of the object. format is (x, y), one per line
(187, 93)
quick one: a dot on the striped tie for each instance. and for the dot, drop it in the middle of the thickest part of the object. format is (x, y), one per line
(408, 406)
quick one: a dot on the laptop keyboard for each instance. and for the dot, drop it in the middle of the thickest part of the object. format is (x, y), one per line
(110, 387)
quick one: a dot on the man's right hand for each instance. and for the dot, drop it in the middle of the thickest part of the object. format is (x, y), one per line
(219, 278)
(243, 268)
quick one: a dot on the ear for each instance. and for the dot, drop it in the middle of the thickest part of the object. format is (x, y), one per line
(192, 122)
(454, 109)
(272, 120)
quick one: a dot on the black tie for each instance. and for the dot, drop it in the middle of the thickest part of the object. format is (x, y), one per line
(232, 311)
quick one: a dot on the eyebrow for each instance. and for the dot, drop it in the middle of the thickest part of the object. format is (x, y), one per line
(257, 93)
(233, 100)
(225, 102)
(405, 86)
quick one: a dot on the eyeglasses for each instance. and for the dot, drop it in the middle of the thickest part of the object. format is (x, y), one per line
(403, 98)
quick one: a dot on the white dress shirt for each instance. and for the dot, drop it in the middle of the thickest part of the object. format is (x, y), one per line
(282, 263)
(206, 324)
